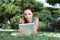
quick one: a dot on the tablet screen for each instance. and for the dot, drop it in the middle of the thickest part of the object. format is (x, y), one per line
(28, 28)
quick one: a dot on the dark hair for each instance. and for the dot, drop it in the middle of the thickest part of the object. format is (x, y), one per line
(28, 7)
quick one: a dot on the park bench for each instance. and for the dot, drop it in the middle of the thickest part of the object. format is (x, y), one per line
(55, 26)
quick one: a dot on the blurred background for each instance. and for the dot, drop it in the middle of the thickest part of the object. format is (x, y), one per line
(48, 12)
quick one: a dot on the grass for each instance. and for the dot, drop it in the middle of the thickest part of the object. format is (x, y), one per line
(40, 36)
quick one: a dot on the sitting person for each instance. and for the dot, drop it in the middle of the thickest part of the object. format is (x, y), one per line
(29, 18)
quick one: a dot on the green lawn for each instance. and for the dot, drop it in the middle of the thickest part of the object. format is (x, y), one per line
(40, 36)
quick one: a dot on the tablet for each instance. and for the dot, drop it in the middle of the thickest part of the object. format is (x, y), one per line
(28, 27)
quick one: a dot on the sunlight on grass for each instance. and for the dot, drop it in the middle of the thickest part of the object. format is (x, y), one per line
(40, 36)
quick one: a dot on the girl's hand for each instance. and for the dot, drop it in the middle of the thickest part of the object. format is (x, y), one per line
(21, 31)
(34, 32)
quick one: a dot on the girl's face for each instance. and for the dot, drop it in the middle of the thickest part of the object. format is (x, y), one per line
(28, 14)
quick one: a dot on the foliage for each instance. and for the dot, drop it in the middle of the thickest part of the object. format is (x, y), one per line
(43, 15)
(53, 1)
(14, 22)
(56, 13)
(6, 26)
(9, 9)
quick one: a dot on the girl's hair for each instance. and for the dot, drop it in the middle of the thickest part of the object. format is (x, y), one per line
(28, 7)
(25, 20)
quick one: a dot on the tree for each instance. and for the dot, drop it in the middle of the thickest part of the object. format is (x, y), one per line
(53, 1)
(10, 8)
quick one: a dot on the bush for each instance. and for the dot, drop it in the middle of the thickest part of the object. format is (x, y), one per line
(15, 22)
(6, 26)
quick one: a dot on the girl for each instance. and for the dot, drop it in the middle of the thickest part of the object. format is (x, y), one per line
(29, 18)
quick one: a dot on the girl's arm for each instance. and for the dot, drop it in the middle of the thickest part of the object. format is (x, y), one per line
(36, 23)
